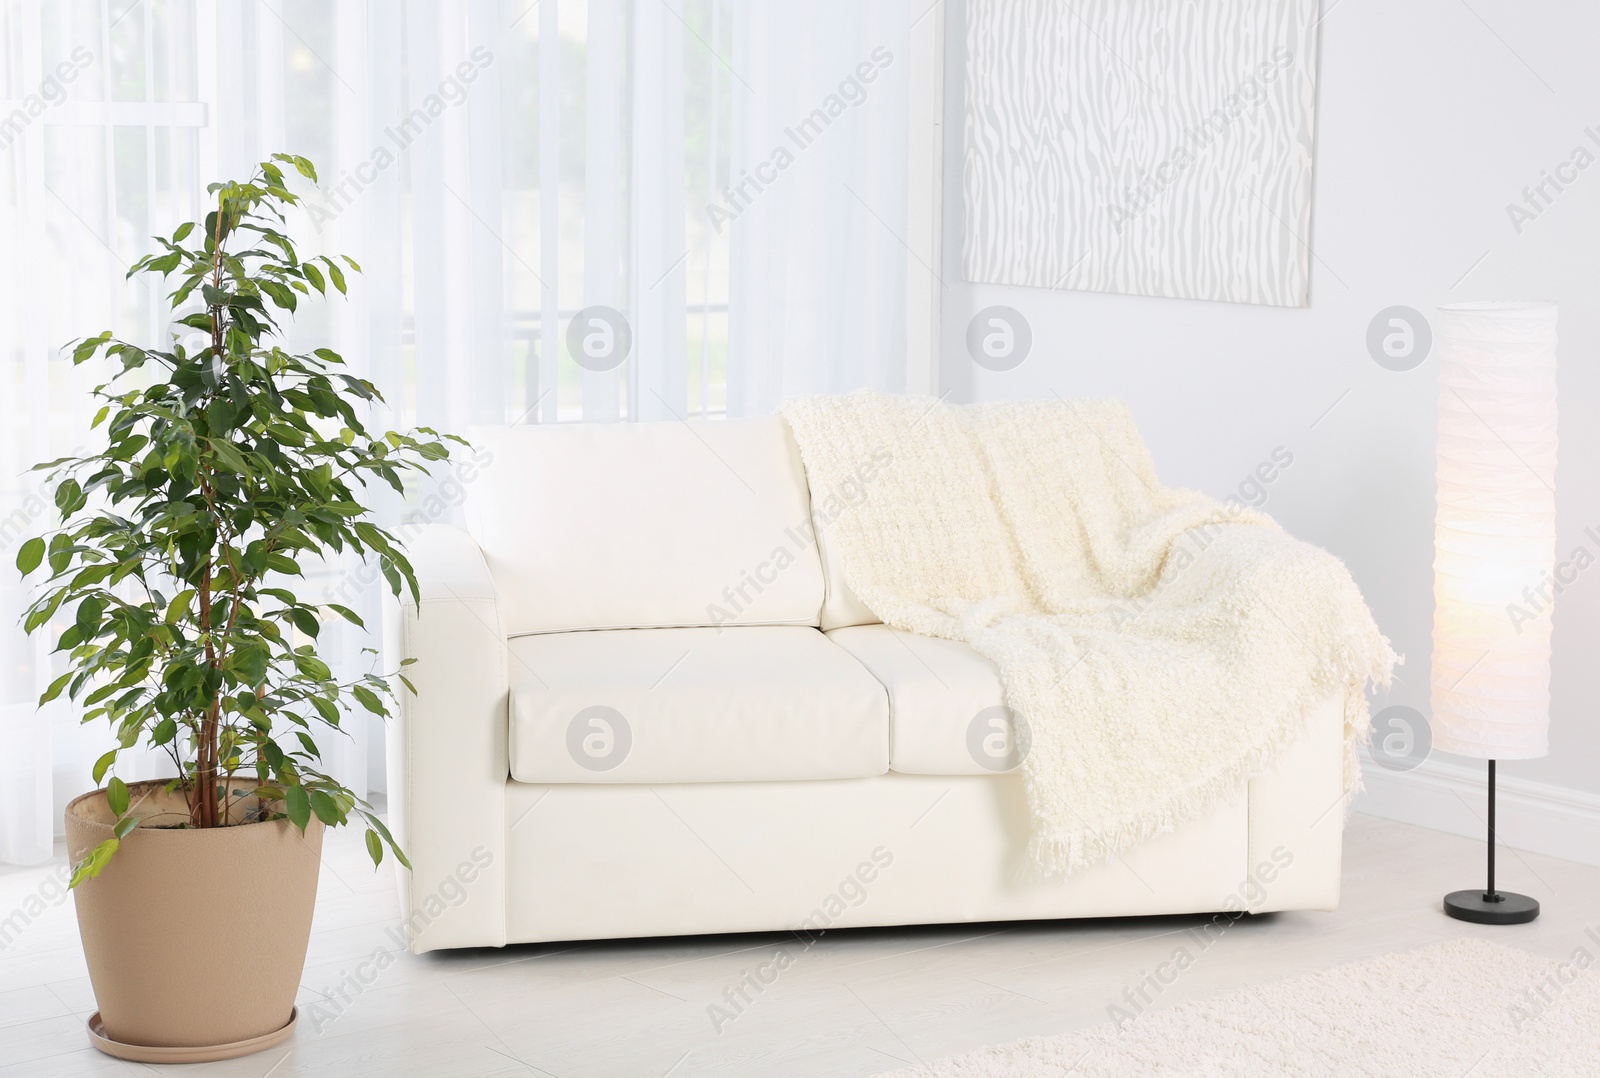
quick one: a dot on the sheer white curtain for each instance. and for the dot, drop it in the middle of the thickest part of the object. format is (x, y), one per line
(513, 177)
(817, 191)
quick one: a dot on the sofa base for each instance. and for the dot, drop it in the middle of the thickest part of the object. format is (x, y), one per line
(602, 861)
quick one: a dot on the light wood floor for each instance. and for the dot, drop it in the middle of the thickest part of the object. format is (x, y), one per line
(853, 1004)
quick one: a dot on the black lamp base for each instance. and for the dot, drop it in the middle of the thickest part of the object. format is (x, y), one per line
(1502, 908)
(1491, 906)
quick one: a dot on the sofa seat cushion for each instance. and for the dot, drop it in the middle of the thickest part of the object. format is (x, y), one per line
(947, 714)
(740, 704)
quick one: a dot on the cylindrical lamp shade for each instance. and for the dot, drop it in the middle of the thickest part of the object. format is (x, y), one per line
(1494, 537)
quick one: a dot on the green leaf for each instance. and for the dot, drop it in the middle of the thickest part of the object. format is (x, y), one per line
(31, 554)
(102, 765)
(305, 621)
(55, 689)
(125, 825)
(326, 808)
(229, 456)
(60, 552)
(374, 847)
(89, 346)
(281, 563)
(43, 614)
(88, 617)
(179, 605)
(91, 866)
(67, 496)
(117, 795)
(378, 825)
(311, 666)
(250, 662)
(347, 614)
(297, 806)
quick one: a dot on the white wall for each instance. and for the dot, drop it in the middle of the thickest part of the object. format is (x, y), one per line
(1428, 124)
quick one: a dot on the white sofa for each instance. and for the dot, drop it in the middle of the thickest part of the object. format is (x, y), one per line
(648, 704)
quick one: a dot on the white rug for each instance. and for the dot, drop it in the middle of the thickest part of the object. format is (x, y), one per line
(1463, 1008)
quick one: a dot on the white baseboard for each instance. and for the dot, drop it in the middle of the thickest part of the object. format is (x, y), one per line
(1533, 816)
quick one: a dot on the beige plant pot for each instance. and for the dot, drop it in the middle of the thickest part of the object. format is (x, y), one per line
(195, 939)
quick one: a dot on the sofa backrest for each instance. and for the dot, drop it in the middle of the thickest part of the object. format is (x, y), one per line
(646, 525)
(840, 605)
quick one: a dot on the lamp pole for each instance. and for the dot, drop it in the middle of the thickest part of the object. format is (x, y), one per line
(1489, 895)
(1490, 906)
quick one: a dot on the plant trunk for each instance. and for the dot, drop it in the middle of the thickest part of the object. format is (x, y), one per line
(204, 806)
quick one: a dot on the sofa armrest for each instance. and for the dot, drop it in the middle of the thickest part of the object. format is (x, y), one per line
(447, 754)
(1297, 812)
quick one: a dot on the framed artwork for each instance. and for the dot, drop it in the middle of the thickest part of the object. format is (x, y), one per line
(1152, 148)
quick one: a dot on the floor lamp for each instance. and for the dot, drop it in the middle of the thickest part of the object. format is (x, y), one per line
(1494, 559)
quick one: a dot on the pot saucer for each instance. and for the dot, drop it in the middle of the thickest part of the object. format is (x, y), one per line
(141, 1053)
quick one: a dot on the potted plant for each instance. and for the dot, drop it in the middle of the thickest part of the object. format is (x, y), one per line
(224, 467)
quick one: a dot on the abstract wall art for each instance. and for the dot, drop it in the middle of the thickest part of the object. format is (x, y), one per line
(1158, 148)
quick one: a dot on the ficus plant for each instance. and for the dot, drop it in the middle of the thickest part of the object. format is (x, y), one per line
(227, 467)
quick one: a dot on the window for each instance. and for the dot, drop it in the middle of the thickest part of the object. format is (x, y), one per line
(612, 210)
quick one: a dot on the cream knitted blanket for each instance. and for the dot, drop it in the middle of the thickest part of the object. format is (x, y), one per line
(1161, 646)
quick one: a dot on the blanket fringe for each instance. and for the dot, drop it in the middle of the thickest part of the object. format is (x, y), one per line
(1054, 854)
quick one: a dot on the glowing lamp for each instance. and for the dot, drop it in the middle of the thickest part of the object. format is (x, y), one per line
(1494, 544)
